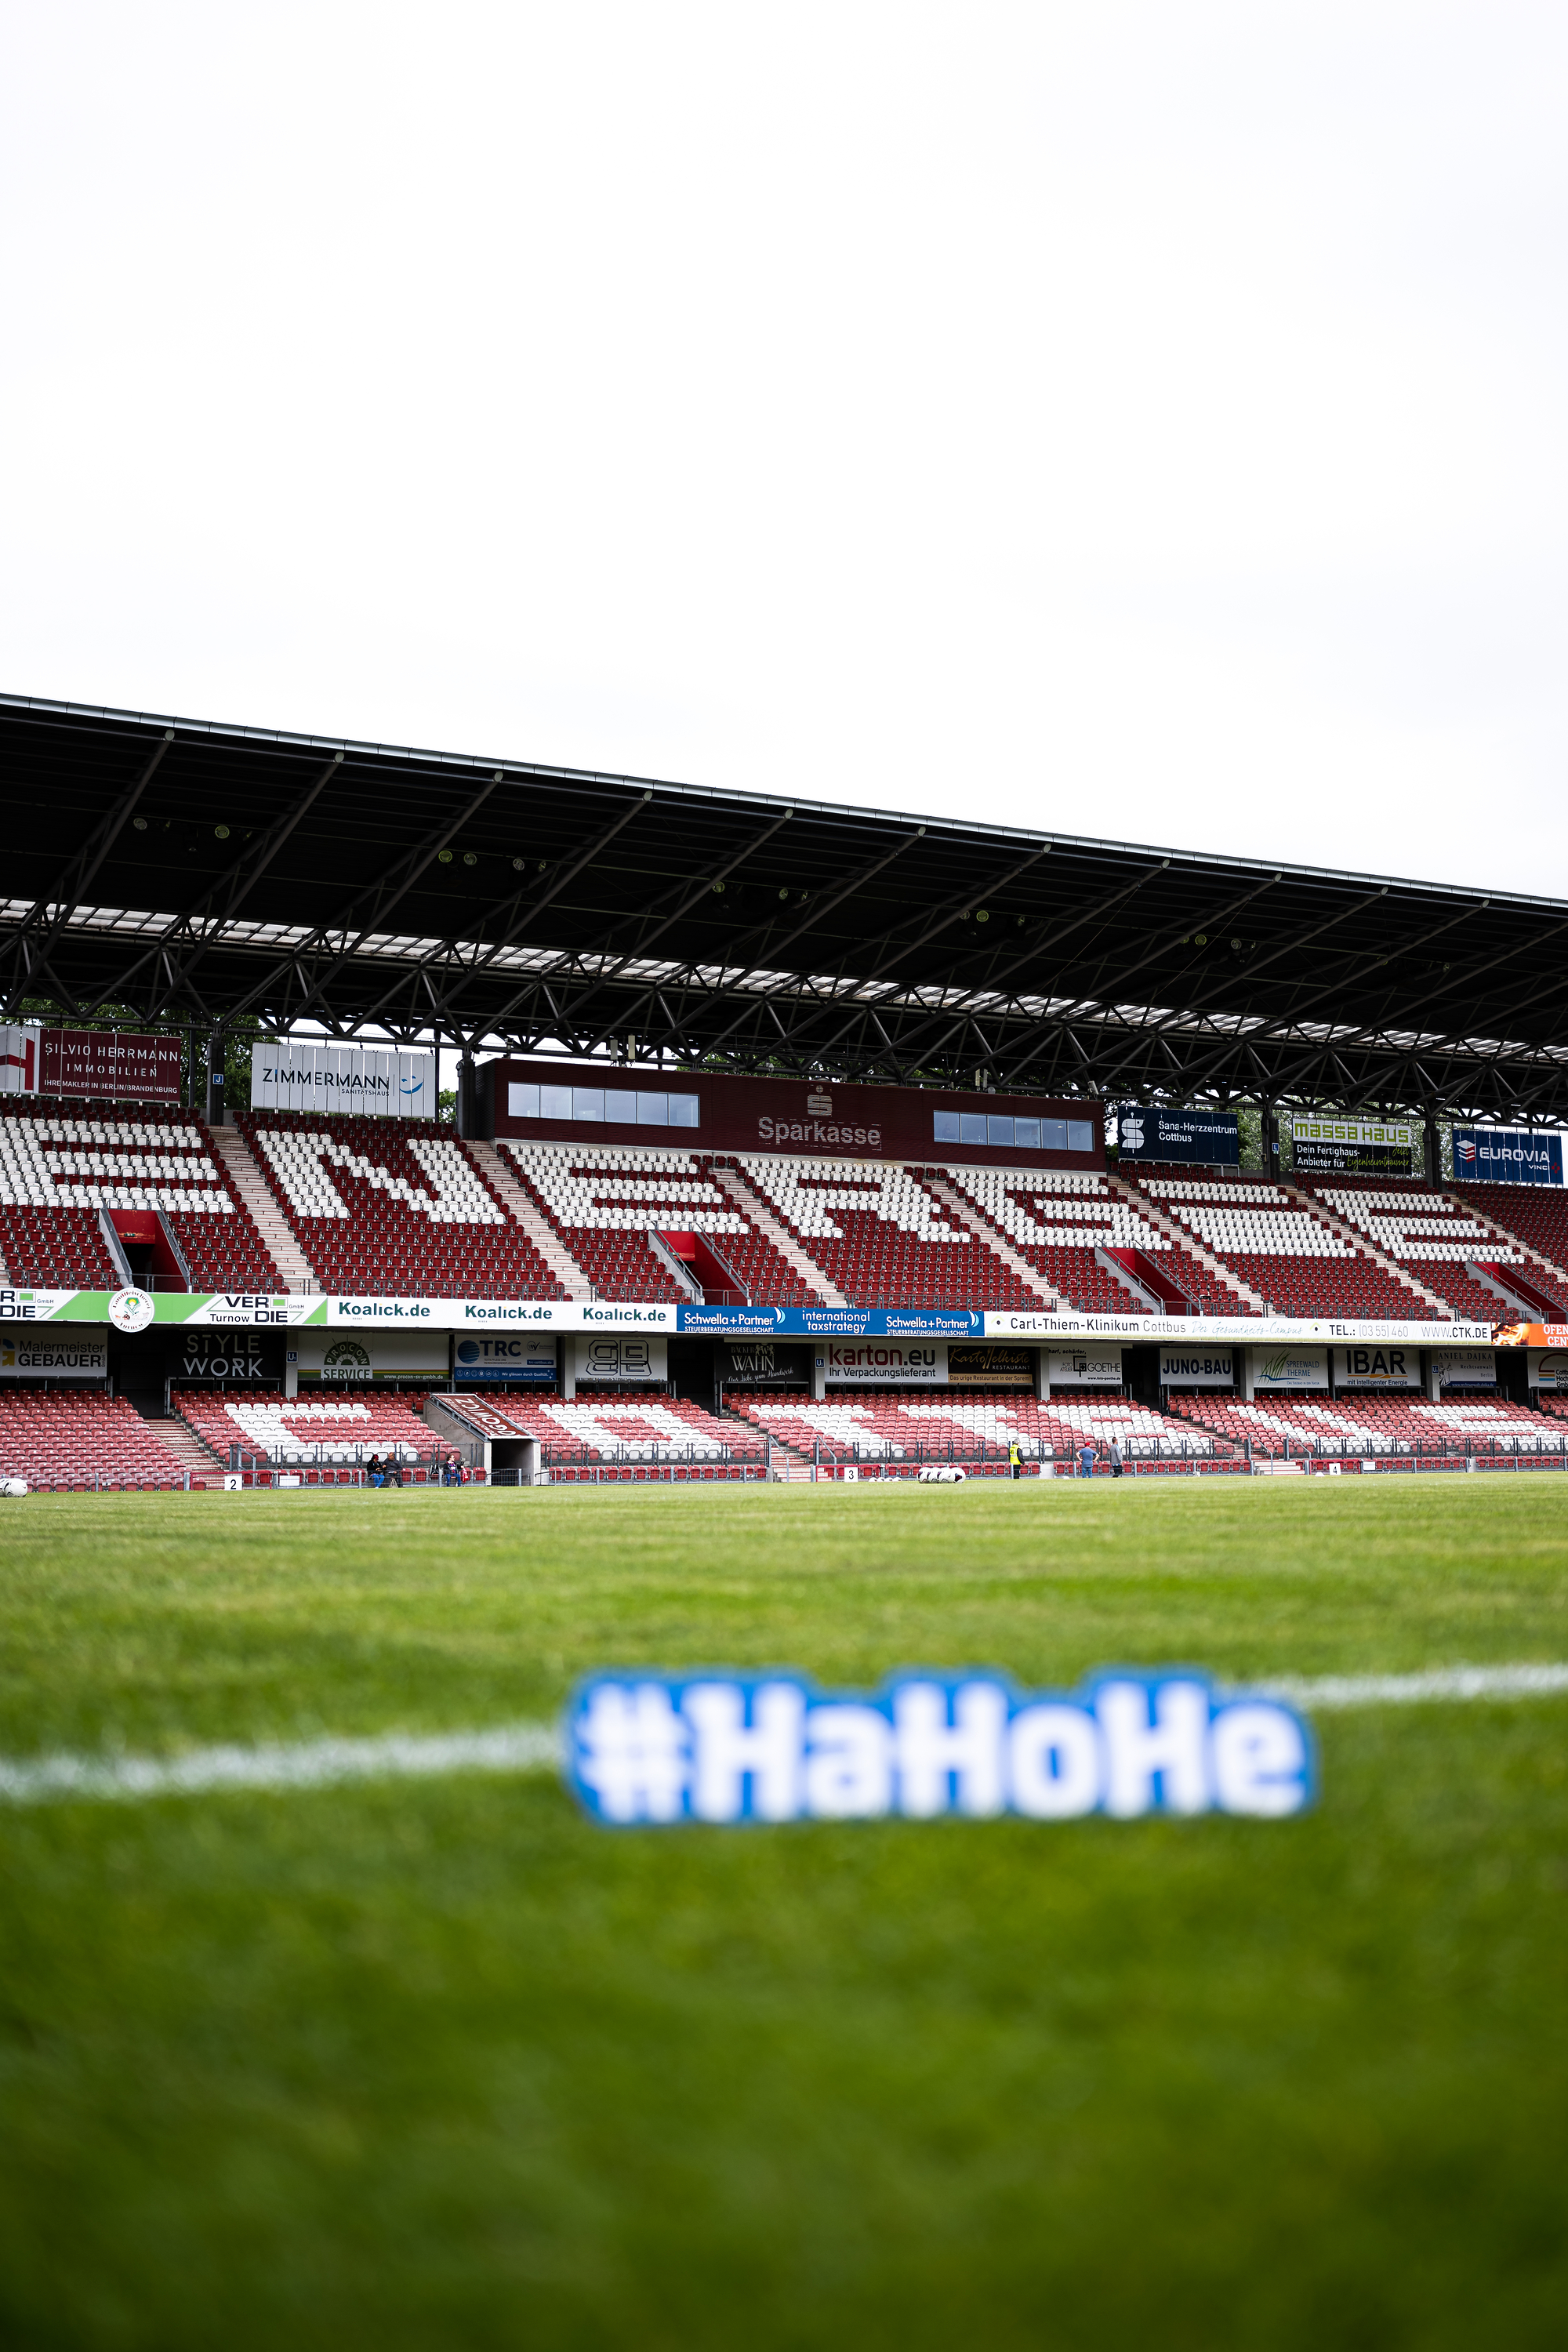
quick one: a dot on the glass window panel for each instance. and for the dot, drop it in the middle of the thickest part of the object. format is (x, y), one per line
(947, 1127)
(588, 1102)
(972, 1126)
(1026, 1135)
(653, 1110)
(999, 1130)
(620, 1106)
(683, 1111)
(1053, 1135)
(555, 1102)
(521, 1102)
(1080, 1135)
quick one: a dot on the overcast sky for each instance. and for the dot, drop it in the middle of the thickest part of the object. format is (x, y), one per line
(1144, 420)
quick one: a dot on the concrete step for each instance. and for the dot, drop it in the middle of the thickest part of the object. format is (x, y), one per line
(182, 1442)
(239, 1164)
(492, 1165)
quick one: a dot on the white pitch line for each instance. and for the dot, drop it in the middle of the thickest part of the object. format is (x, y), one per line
(310, 1764)
(539, 1747)
(1413, 1690)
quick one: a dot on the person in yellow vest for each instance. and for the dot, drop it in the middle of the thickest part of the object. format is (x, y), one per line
(1015, 1459)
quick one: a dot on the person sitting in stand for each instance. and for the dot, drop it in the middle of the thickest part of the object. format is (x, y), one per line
(391, 1469)
(375, 1475)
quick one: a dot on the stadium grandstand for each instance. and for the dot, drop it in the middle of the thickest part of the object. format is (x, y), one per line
(767, 1113)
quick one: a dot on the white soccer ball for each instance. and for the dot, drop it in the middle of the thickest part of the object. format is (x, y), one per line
(13, 1485)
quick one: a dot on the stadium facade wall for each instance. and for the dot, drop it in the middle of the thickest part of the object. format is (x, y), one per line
(792, 1114)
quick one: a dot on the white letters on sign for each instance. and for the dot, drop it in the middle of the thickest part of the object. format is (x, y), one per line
(771, 1748)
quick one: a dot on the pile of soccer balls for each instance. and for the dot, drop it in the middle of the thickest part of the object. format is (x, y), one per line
(944, 1474)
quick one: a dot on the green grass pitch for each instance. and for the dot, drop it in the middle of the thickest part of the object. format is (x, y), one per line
(441, 2064)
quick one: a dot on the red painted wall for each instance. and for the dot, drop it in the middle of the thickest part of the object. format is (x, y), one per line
(740, 1114)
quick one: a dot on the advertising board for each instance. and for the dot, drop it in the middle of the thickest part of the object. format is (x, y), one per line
(1197, 1368)
(1090, 1367)
(991, 1366)
(60, 1351)
(506, 1356)
(1495, 1155)
(1466, 1368)
(541, 1099)
(1206, 1139)
(208, 1351)
(1378, 1368)
(112, 1066)
(887, 1363)
(1274, 1369)
(763, 1363)
(599, 1357)
(333, 1360)
(1547, 1368)
(1353, 1146)
(370, 1081)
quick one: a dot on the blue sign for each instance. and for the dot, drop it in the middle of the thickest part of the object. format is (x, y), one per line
(835, 1322)
(1495, 1155)
(1209, 1138)
(644, 1747)
(506, 1356)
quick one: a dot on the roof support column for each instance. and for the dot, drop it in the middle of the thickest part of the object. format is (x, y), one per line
(218, 1107)
(1432, 1152)
(1272, 1140)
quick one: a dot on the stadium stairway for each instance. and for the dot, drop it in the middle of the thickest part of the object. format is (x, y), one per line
(188, 1449)
(1364, 1241)
(752, 1204)
(237, 1161)
(998, 1241)
(1546, 1274)
(1184, 1240)
(789, 1464)
(538, 1229)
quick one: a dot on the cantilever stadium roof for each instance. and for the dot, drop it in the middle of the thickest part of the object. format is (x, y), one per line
(202, 873)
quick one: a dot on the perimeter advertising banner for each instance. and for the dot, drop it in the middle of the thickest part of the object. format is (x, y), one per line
(1205, 1139)
(1277, 1368)
(1084, 1367)
(1378, 1368)
(111, 1066)
(990, 1367)
(506, 1356)
(1495, 1155)
(1354, 1147)
(69, 1352)
(1197, 1368)
(1466, 1368)
(885, 1363)
(324, 1361)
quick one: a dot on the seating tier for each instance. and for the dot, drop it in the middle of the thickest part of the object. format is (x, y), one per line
(882, 1237)
(592, 1428)
(1425, 1231)
(333, 1425)
(395, 1205)
(1536, 1214)
(1372, 1425)
(56, 1173)
(1283, 1251)
(70, 1437)
(1059, 1220)
(884, 1426)
(605, 1204)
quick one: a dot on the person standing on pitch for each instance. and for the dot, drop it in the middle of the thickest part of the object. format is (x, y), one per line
(1086, 1460)
(1116, 1457)
(1015, 1459)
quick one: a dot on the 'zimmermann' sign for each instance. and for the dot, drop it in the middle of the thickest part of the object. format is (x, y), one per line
(111, 1066)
